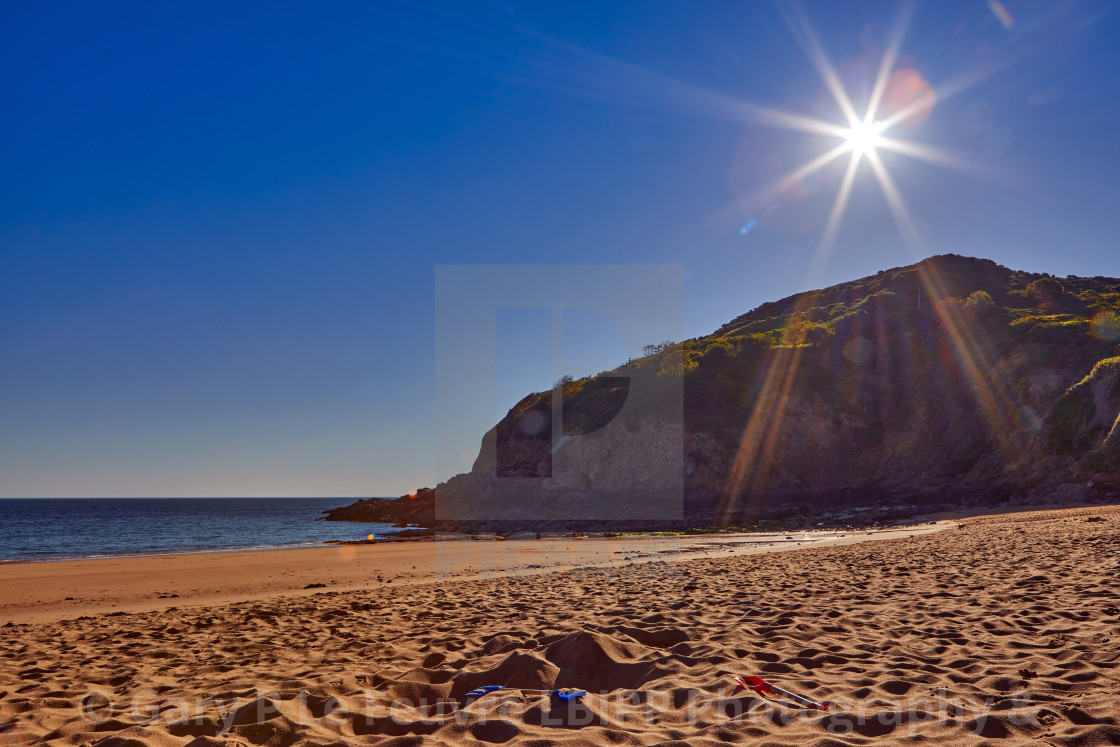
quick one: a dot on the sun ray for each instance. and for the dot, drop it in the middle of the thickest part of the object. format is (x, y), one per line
(785, 120)
(810, 166)
(838, 209)
(923, 102)
(902, 25)
(980, 371)
(944, 159)
(582, 72)
(759, 439)
(798, 173)
(1003, 60)
(802, 30)
(944, 92)
(898, 208)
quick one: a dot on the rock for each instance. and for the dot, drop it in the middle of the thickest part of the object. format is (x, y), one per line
(415, 508)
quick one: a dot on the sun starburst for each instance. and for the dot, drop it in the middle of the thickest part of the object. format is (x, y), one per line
(903, 92)
(863, 137)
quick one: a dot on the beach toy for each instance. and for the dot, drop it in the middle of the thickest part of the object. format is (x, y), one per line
(566, 694)
(762, 687)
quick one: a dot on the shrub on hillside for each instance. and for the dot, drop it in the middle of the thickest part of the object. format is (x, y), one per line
(801, 331)
(658, 347)
(1045, 289)
(980, 299)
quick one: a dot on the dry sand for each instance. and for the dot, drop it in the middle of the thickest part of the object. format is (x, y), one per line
(1003, 632)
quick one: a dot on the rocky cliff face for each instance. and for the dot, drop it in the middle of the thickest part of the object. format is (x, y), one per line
(951, 382)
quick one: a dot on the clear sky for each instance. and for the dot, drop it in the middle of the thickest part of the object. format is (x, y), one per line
(220, 223)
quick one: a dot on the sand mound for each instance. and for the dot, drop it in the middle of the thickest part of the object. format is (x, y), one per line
(594, 661)
(518, 669)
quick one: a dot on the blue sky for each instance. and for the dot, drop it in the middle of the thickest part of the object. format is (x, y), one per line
(220, 225)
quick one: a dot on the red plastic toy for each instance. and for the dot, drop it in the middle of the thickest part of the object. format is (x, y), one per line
(762, 687)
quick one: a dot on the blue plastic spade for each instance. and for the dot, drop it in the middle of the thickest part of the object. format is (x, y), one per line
(566, 695)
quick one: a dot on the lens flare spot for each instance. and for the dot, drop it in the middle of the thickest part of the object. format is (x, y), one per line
(533, 422)
(369, 536)
(1106, 326)
(1030, 418)
(1002, 14)
(748, 226)
(801, 187)
(859, 350)
(909, 96)
(1045, 97)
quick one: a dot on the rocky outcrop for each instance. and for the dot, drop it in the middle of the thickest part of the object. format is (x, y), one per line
(1112, 441)
(414, 508)
(1084, 417)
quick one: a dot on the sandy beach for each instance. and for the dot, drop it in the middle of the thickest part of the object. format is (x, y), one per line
(990, 630)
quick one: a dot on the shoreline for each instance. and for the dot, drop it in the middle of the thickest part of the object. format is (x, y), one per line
(427, 535)
(163, 553)
(417, 534)
(44, 592)
(215, 550)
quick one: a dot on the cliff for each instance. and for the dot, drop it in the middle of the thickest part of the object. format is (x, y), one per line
(950, 383)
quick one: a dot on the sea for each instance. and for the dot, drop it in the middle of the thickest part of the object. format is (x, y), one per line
(60, 528)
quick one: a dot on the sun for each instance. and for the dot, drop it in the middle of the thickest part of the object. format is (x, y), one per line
(865, 131)
(864, 137)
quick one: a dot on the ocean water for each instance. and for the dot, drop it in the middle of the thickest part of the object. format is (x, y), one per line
(56, 528)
